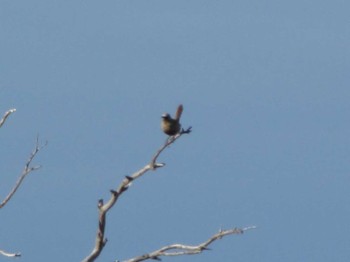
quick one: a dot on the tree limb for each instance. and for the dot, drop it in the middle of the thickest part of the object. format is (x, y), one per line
(6, 115)
(180, 249)
(100, 240)
(27, 169)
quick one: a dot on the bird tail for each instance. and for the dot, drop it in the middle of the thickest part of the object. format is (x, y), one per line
(179, 110)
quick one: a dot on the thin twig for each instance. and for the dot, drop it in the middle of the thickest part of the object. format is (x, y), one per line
(100, 240)
(6, 115)
(27, 169)
(180, 249)
(7, 254)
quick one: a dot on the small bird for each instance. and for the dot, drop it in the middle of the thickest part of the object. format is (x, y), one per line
(172, 126)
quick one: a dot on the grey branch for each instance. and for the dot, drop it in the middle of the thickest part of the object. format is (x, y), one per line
(180, 249)
(7, 254)
(27, 169)
(6, 115)
(100, 240)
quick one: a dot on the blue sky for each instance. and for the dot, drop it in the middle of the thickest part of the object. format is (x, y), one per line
(265, 85)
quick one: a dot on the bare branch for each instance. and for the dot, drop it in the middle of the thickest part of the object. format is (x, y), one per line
(27, 169)
(100, 240)
(180, 249)
(6, 254)
(6, 115)
(168, 142)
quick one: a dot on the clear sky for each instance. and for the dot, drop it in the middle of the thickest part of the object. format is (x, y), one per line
(265, 85)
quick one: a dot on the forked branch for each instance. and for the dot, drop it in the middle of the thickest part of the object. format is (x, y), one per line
(27, 169)
(180, 249)
(100, 240)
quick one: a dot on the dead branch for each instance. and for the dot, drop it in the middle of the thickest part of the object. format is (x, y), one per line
(6, 115)
(180, 249)
(7, 254)
(27, 169)
(100, 240)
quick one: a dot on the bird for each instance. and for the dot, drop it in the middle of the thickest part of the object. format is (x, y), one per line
(171, 126)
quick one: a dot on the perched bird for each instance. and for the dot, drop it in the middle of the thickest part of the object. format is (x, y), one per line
(172, 126)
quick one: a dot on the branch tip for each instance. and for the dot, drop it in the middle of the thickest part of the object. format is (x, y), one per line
(6, 115)
(35, 168)
(186, 131)
(129, 178)
(248, 228)
(157, 165)
(105, 241)
(7, 254)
